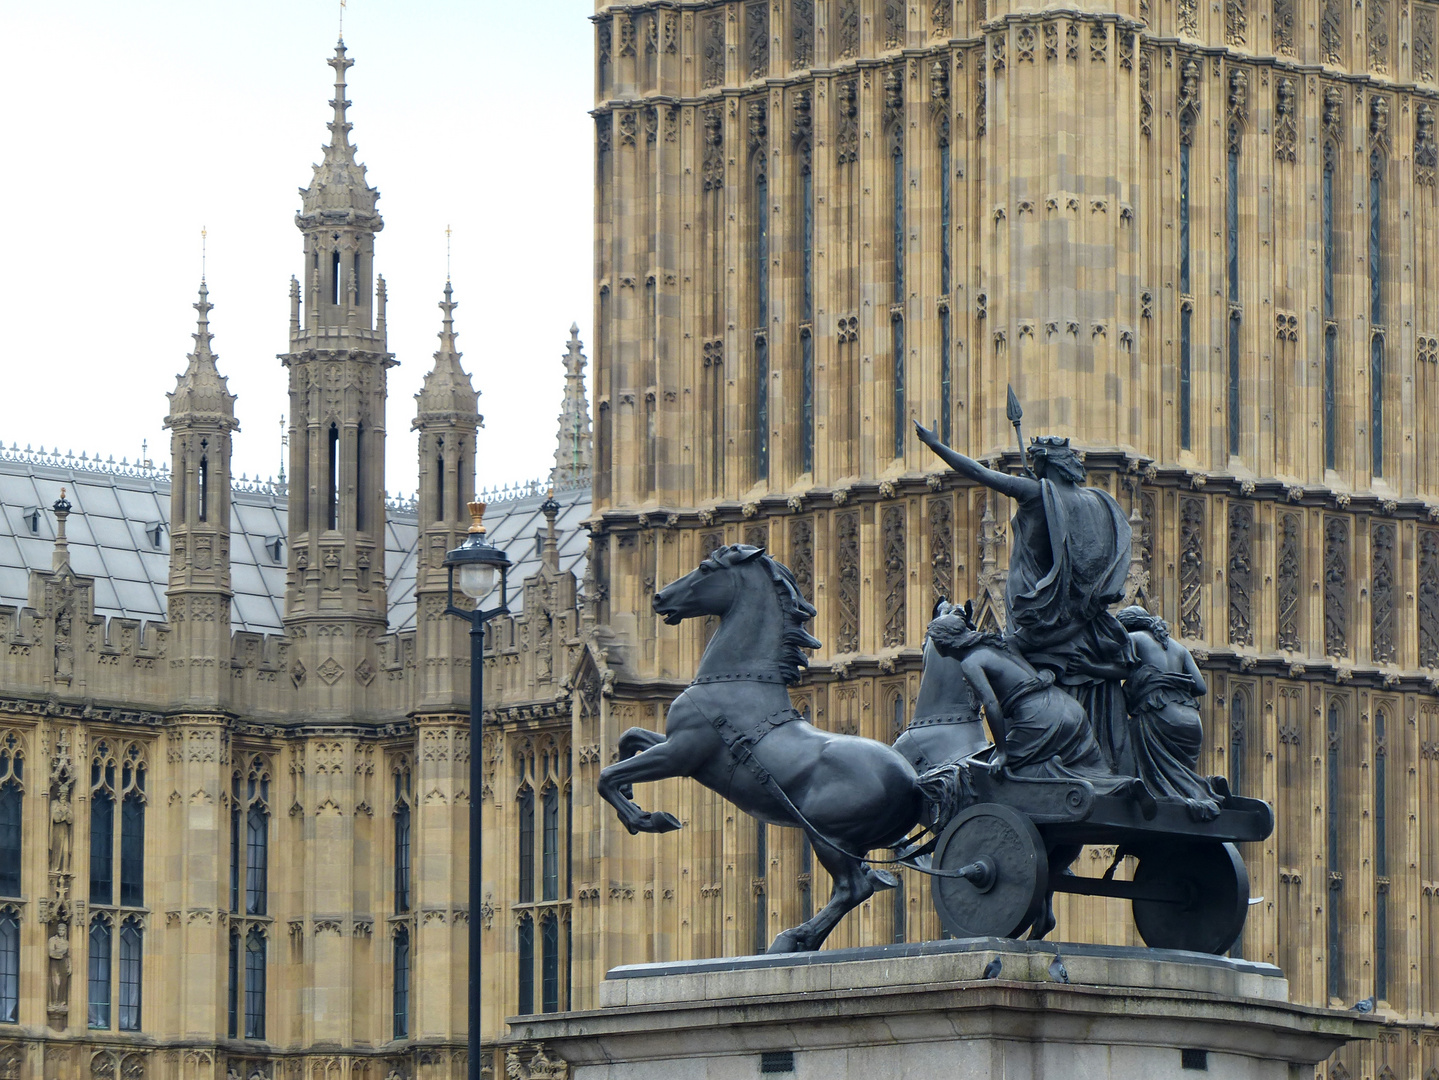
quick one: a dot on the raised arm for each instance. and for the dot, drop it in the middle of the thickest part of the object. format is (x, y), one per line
(979, 679)
(1022, 488)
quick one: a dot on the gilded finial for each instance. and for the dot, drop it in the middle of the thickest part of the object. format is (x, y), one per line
(477, 511)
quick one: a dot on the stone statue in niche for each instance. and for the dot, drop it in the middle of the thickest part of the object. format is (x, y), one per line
(62, 813)
(1068, 563)
(58, 949)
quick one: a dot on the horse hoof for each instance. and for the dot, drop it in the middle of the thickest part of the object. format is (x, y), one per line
(658, 821)
(882, 879)
(786, 942)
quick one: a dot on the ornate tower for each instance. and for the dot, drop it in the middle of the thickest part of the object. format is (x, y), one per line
(572, 455)
(447, 420)
(338, 363)
(201, 422)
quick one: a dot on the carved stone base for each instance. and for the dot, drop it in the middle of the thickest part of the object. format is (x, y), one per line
(927, 1010)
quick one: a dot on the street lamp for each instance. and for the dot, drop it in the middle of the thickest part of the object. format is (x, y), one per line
(477, 560)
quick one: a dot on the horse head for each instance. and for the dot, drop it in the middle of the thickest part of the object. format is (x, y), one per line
(742, 578)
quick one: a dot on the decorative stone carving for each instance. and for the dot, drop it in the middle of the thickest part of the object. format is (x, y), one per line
(846, 139)
(895, 574)
(712, 49)
(1376, 28)
(713, 167)
(981, 106)
(1188, 100)
(1378, 130)
(1071, 41)
(893, 11)
(801, 555)
(1098, 43)
(1238, 107)
(996, 52)
(1288, 582)
(1241, 574)
(1146, 97)
(1282, 27)
(1336, 586)
(62, 813)
(1188, 14)
(894, 100)
(1331, 31)
(940, 19)
(756, 38)
(1236, 22)
(1381, 592)
(846, 530)
(1422, 56)
(1191, 567)
(58, 951)
(1426, 157)
(1428, 598)
(801, 34)
(1051, 41)
(1285, 125)
(844, 29)
(941, 548)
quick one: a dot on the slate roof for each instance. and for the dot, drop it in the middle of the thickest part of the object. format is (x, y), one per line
(113, 537)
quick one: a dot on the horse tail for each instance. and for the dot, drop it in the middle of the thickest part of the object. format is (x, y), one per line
(946, 790)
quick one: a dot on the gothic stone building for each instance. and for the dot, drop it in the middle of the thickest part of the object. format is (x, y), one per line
(1202, 240)
(234, 720)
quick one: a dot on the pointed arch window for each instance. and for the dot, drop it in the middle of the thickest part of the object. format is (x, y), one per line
(1333, 793)
(257, 838)
(550, 845)
(101, 940)
(525, 941)
(439, 511)
(401, 1000)
(525, 807)
(255, 983)
(234, 984)
(1376, 310)
(550, 962)
(334, 277)
(402, 837)
(333, 485)
(132, 829)
(12, 798)
(203, 481)
(132, 941)
(102, 825)
(9, 965)
(1381, 853)
(360, 499)
(1331, 328)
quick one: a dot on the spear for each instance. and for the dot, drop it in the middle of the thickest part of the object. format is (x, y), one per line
(1016, 415)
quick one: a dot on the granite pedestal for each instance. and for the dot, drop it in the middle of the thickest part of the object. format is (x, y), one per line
(926, 1010)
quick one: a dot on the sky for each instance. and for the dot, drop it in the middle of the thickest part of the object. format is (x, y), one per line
(131, 126)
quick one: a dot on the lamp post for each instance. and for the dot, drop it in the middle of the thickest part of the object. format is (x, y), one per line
(477, 561)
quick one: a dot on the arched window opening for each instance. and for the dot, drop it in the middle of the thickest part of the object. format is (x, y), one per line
(12, 796)
(132, 942)
(234, 989)
(1335, 825)
(549, 962)
(360, 499)
(333, 487)
(132, 830)
(550, 845)
(525, 806)
(355, 276)
(401, 1000)
(102, 826)
(99, 972)
(236, 848)
(255, 984)
(1381, 854)
(525, 939)
(335, 277)
(402, 839)
(459, 511)
(440, 508)
(202, 479)
(9, 966)
(257, 840)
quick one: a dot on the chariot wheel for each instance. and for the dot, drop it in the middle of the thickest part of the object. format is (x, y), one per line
(1209, 889)
(1005, 873)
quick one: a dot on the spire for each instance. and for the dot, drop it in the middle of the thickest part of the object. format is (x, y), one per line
(202, 390)
(572, 455)
(448, 392)
(339, 181)
(61, 556)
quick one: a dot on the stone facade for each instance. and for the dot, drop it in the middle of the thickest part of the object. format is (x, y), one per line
(1197, 239)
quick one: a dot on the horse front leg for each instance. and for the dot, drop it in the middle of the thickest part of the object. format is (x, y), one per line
(659, 761)
(634, 741)
(853, 885)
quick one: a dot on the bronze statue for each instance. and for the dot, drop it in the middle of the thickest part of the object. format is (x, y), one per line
(1068, 563)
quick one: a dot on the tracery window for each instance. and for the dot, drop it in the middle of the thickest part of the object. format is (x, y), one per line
(402, 836)
(116, 929)
(1334, 820)
(543, 896)
(249, 895)
(1376, 310)
(401, 998)
(1331, 328)
(9, 964)
(12, 798)
(1381, 853)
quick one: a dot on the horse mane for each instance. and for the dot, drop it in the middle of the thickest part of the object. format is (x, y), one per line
(792, 605)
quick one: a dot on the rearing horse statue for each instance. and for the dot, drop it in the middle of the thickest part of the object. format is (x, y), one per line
(736, 732)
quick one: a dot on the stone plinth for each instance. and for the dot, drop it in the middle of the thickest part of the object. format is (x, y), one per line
(927, 1011)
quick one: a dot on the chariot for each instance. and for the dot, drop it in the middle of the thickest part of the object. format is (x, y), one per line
(1189, 890)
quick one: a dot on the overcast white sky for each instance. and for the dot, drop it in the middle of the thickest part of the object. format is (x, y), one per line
(129, 126)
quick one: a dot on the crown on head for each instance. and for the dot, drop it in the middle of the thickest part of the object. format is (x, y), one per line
(1048, 441)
